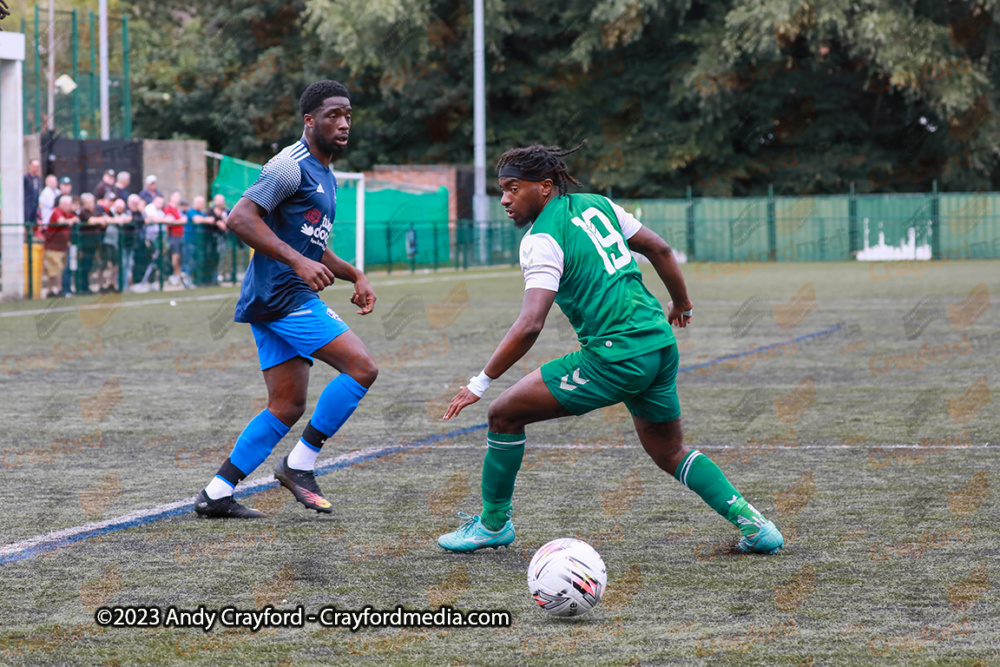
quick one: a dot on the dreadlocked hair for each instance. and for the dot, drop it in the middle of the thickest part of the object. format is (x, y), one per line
(539, 162)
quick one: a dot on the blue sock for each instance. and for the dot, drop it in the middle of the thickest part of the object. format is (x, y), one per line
(253, 446)
(337, 402)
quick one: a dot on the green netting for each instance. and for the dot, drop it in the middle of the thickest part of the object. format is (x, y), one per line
(396, 221)
(233, 179)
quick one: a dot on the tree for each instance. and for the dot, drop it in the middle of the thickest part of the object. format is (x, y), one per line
(727, 97)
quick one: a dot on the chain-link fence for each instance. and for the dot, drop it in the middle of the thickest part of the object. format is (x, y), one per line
(76, 109)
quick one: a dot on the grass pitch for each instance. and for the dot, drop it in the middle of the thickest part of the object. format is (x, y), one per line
(872, 447)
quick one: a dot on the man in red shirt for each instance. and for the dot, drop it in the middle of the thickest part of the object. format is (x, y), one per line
(57, 237)
(176, 232)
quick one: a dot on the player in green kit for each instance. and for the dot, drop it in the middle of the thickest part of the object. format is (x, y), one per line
(577, 254)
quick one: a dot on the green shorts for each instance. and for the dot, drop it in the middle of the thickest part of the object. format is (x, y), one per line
(646, 384)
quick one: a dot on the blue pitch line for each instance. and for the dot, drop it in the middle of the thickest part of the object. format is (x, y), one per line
(758, 349)
(175, 510)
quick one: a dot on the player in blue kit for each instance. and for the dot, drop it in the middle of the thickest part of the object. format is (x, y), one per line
(286, 217)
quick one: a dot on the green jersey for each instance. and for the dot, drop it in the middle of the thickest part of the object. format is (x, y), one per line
(577, 248)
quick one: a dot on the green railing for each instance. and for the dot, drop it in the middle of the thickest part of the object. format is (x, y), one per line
(396, 245)
(99, 260)
(828, 228)
(753, 230)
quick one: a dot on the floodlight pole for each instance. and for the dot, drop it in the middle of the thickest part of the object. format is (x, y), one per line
(480, 202)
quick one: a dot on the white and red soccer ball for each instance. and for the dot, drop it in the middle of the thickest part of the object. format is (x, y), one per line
(567, 577)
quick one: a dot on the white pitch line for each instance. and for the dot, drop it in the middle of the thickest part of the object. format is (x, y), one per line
(214, 297)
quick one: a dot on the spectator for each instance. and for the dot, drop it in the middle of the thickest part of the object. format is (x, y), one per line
(220, 211)
(121, 185)
(47, 199)
(92, 227)
(194, 238)
(173, 211)
(32, 190)
(148, 250)
(154, 217)
(118, 215)
(214, 240)
(131, 238)
(66, 190)
(57, 235)
(150, 192)
(107, 184)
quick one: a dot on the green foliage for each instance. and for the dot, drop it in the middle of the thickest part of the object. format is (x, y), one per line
(726, 97)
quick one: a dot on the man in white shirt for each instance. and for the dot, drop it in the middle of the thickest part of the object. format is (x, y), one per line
(47, 199)
(155, 232)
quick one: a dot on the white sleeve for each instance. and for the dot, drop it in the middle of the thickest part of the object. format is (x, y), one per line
(626, 221)
(541, 262)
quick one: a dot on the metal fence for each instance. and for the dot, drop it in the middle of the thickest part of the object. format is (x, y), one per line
(948, 226)
(120, 257)
(828, 228)
(75, 45)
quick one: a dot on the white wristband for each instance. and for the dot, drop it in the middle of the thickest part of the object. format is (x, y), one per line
(479, 384)
(687, 313)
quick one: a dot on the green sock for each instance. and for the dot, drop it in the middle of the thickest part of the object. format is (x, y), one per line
(503, 459)
(700, 474)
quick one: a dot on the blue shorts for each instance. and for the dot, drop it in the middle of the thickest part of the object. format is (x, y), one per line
(298, 334)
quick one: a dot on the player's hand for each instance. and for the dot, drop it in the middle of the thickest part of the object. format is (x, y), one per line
(464, 399)
(364, 296)
(315, 274)
(676, 316)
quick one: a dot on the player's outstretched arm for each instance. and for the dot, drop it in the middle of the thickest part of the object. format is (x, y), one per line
(246, 220)
(648, 243)
(522, 335)
(364, 295)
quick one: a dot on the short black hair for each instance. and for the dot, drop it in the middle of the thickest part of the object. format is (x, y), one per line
(539, 162)
(314, 95)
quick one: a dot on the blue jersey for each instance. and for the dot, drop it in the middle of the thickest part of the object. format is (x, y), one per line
(300, 197)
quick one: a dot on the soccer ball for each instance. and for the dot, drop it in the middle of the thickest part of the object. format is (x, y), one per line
(567, 577)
